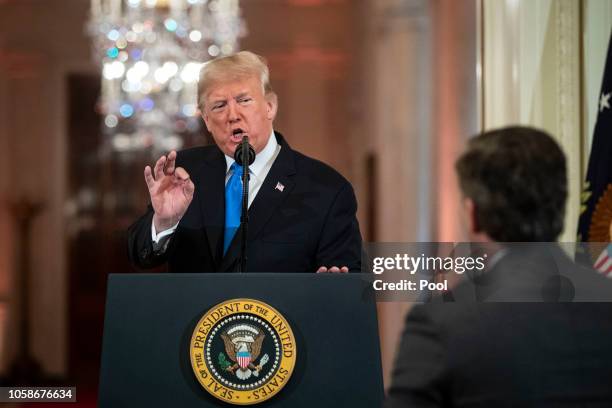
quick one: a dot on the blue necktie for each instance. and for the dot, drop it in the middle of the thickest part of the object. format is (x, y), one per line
(233, 207)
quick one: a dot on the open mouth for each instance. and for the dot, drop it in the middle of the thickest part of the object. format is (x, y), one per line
(237, 135)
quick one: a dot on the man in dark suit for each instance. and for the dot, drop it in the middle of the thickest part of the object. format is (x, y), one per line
(507, 339)
(302, 213)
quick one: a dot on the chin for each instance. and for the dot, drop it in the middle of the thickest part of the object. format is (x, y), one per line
(229, 149)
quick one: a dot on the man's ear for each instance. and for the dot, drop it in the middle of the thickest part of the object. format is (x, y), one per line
(271, 105)
(471, 214)
(205, 117)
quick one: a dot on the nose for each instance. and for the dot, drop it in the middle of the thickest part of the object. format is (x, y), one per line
(233, 112)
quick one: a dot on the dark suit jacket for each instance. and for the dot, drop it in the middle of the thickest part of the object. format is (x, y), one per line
(310, 223)
(507, 353)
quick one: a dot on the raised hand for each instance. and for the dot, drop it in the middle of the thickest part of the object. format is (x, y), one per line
(171, 191)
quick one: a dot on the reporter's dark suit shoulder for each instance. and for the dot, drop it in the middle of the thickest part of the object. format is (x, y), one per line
(470, 354)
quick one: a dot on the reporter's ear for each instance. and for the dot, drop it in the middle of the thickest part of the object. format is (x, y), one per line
(471, 215)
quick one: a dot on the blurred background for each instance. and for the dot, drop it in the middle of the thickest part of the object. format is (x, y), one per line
(385, 91)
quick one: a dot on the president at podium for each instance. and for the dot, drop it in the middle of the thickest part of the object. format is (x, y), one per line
(301, 212)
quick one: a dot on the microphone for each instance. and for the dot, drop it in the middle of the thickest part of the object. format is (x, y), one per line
(243, 148)
(244, 156)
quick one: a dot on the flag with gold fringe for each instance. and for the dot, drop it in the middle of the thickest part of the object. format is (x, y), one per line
(595, 223)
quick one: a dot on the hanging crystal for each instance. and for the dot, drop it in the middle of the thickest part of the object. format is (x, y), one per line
(151, 52)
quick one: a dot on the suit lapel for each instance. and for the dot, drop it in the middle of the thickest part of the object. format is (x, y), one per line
(212, 201)
(275, 189)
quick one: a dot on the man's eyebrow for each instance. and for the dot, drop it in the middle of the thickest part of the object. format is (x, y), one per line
(242, 95)
(217, 100)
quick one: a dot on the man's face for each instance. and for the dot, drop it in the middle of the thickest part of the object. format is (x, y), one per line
(235, 108)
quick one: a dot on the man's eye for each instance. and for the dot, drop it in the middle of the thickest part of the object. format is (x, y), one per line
(218, 106)
(244, 100)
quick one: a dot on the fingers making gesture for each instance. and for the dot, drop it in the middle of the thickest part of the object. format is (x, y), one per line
(171, 191)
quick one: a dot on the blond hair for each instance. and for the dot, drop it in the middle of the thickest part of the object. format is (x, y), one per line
(241, 65)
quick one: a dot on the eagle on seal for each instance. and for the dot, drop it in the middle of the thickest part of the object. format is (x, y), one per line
(243, 346)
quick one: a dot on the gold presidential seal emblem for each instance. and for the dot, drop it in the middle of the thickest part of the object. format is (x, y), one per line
(243, 351)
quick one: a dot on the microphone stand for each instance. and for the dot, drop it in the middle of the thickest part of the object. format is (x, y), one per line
(244, 218)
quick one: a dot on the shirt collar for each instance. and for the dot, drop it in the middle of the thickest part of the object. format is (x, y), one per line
(260, 160)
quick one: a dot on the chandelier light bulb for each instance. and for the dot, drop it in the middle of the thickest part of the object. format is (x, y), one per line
(150, 54)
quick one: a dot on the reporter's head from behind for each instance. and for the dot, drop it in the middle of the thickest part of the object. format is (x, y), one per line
(510, 336)
(514, 183)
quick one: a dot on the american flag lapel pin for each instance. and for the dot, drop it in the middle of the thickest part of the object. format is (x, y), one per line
(280, 187)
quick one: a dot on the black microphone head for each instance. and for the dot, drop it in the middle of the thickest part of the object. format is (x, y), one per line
(249, 149)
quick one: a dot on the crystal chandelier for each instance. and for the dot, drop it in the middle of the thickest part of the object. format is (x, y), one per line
(151, 52)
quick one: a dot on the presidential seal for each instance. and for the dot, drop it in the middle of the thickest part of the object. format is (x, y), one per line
(243, 351)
